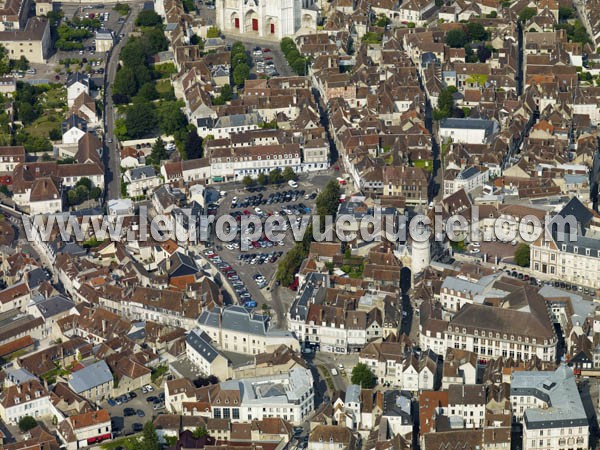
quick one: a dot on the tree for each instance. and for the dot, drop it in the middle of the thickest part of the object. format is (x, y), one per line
(456, 38)
(239, 58)
(262, 179)
(275, 176)
(565, 13)
(492, 15)
(85, 182)
(522, 255)
(382, 21)
(147, 92)
(526, 14)
(288, 174)
(199, 432)
(300, 65)
(445, 104)
(328, 200)
(240, 74)
(149, 440)
(125, 83)
(226, 92)
(27, 113)
(193, 146)
(476, 32)
(362, 375)
(133, 54)
(237, 47)
(213, 32)
(140, 120)
(248, 181)
(483, 53)
(170, 117)
(286, 45)
(159, 152)
(153, 40)
(148, 18)
(27, 423)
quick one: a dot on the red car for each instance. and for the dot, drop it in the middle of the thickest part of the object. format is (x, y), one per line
(266, 50)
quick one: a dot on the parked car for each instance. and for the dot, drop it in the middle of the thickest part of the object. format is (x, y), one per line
(129, 412)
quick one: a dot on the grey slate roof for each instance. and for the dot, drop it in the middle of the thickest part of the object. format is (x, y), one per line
(314, 286)
(559, 390)
(54, 305)
(78, 77)
(238, 120)
(201, 343)
(235, 318)
(142, 172)
(94, 375)
(468, 124)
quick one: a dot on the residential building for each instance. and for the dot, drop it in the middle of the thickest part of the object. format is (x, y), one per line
(82, 430)
(200, 352)
(93, 382)
(234, 328)
(467, 179)
(33, 42)
(561, 253)
(141, 181)
(26, 399)
(468, 131)
(549, 406)
(467, 402)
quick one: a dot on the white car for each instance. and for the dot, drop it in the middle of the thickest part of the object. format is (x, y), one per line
(258, 210)
(149, 388)
(334, 372)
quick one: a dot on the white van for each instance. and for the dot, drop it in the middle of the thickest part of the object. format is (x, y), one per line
(293, 184)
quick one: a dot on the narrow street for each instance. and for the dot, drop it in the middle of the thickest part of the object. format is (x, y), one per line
(112, 174)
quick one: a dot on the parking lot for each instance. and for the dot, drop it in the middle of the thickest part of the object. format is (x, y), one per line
(249, 262)
(263, 62)
(129, 416)
(86, 59)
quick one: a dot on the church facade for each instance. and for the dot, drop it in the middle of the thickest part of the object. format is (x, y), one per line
(267, 19)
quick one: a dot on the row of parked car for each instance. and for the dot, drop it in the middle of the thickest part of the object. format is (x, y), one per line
(556, 284)
(238, 285)
(259, 258)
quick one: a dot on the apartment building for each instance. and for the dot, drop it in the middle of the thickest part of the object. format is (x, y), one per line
(235, 329)
(549, 406)
(26, 399)
(561, 253)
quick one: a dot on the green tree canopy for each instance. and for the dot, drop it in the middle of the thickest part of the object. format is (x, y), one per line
(148, 18)
(200, 432)
(526, 14)
(170, 117)
(27, 423)
(456, 38)
(159, 152)
(522, 255)
(213, 32)
(362, 375)
(140, 120)
(288, 174)
(476, 32)
(240, 74)
(328, 200)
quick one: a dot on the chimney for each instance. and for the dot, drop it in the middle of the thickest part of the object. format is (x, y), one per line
(104, 325)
